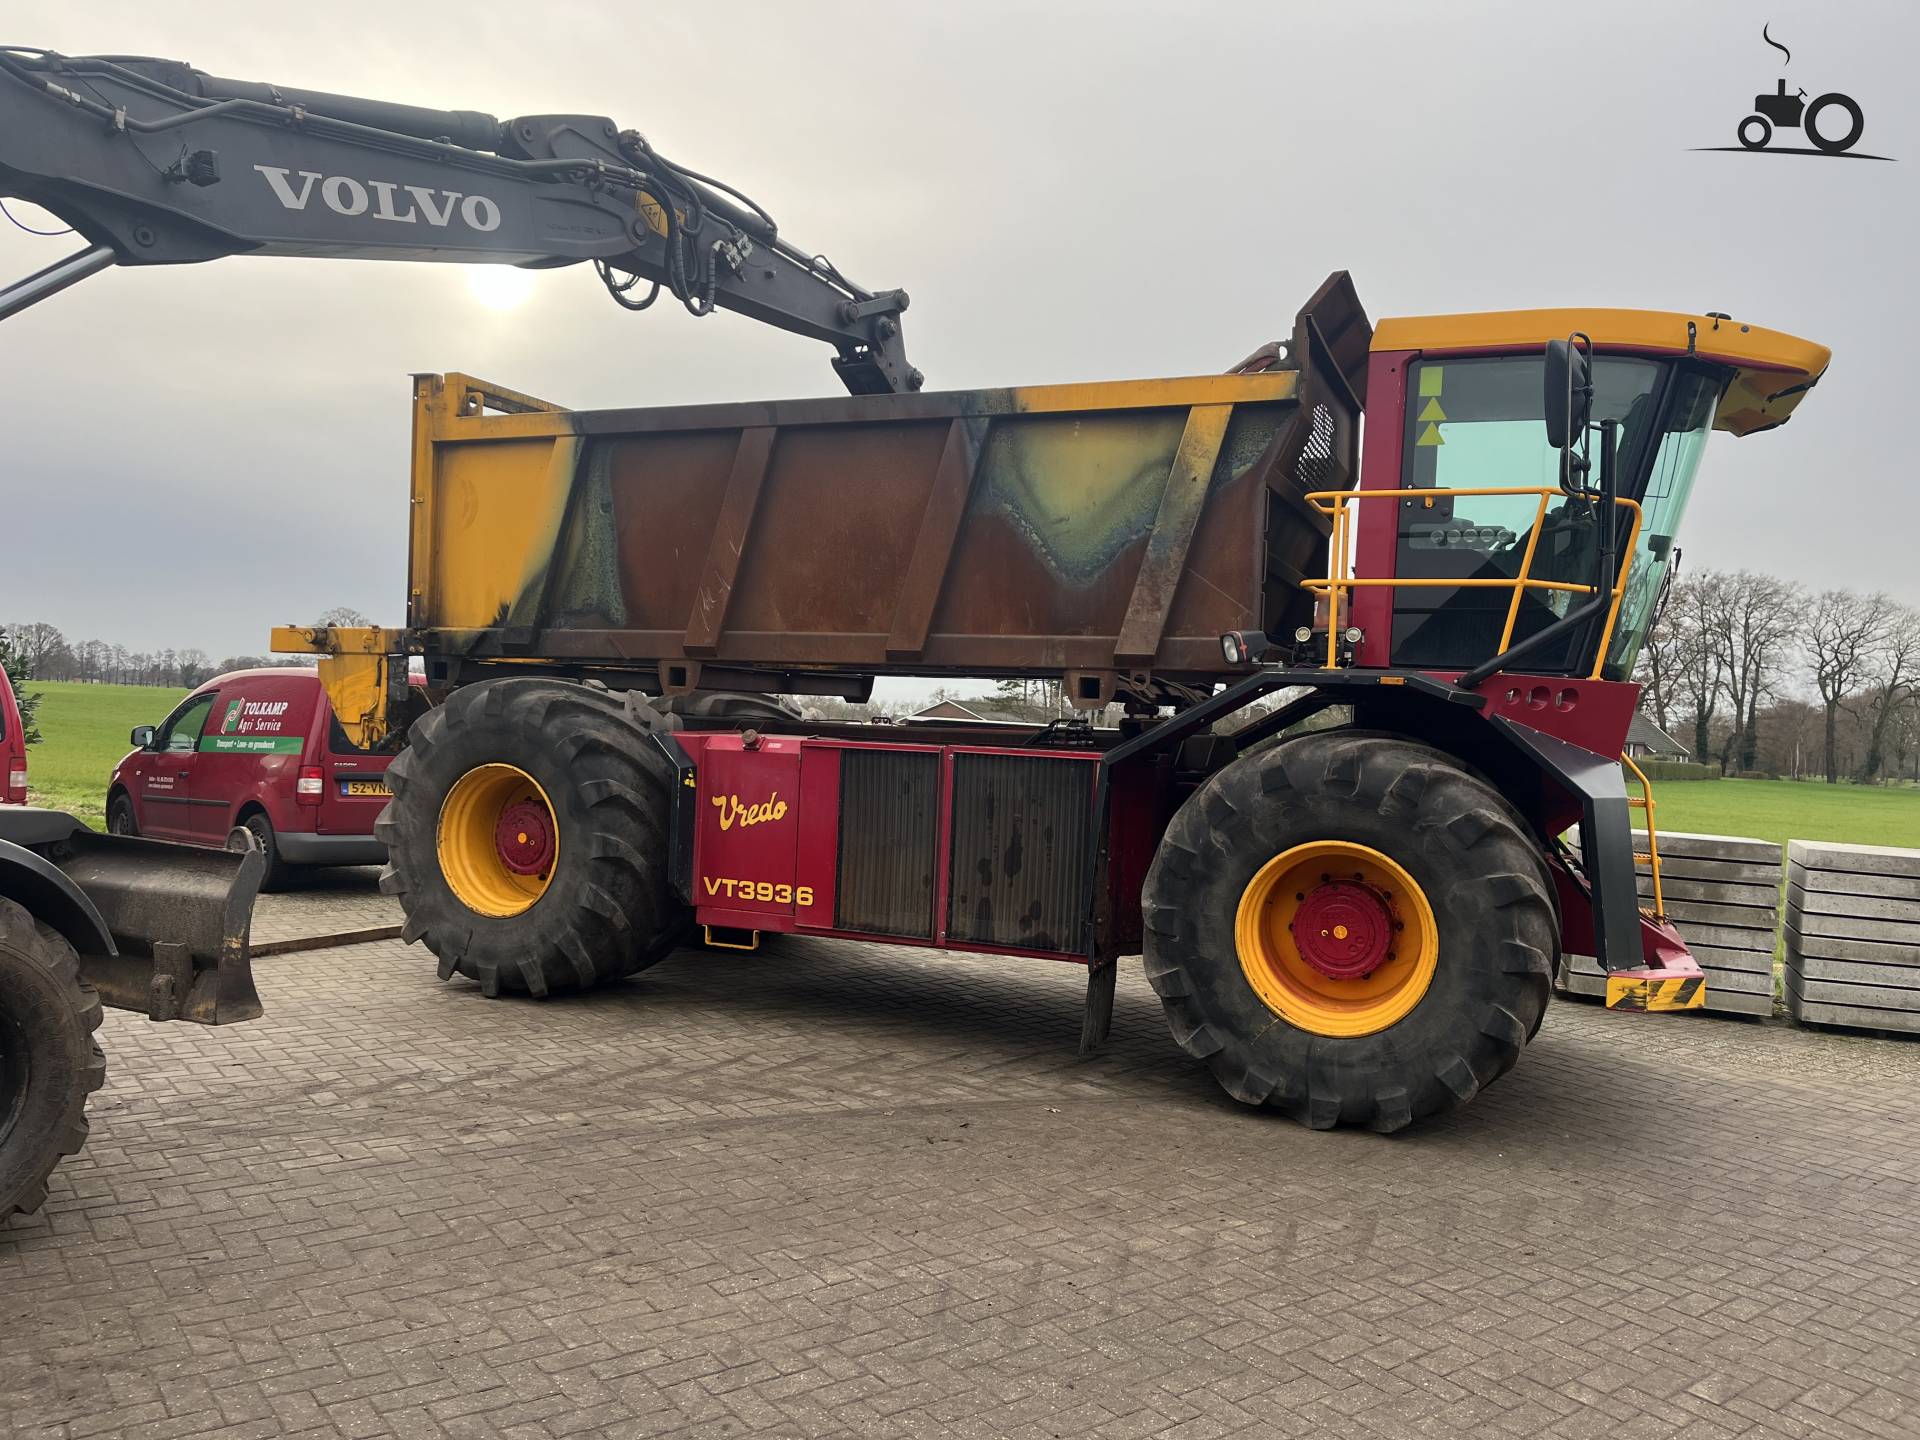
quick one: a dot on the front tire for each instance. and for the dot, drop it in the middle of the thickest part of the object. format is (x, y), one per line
(49, 1062)
(527, 836)
(120, 819)
(1351, 929)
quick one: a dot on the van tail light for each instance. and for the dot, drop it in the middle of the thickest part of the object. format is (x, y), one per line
(311, 784)
(17, 782)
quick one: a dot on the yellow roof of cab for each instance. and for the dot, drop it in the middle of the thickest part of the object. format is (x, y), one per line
(1772, 370)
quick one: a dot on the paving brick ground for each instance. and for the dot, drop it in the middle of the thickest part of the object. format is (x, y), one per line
(827, 1189)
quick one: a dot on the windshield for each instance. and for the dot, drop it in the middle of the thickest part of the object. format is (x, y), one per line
(1479, 423)
(1689, 419)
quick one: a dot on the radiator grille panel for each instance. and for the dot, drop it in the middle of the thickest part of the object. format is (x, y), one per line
(1021, 831)
(889, 812)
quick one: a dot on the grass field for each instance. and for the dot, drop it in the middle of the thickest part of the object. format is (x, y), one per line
(85, 734)
(1783, 810)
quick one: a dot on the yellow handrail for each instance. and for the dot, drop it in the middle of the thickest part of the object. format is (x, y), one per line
(1334, 504)
(1645, 802)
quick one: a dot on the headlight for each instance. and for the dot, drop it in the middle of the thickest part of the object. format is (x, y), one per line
(1232, 650)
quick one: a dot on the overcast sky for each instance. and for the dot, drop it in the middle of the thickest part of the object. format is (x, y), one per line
(1069, 191)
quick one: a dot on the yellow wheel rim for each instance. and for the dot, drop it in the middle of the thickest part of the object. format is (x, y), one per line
(1336, 938)
(498, 840)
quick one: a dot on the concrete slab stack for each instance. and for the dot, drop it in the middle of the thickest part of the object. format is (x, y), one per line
(1853, 935)
(1723, 896)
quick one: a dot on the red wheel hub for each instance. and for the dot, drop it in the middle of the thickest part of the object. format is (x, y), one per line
(524, 838)
(1343, 929)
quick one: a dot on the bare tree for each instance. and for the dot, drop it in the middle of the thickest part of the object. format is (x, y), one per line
(35, 643)
(1691, 670)
(1895, 680)
(1749, 628)
(343, 615)
(1846, 633)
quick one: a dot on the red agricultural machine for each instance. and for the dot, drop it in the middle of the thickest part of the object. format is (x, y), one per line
(1369, 606)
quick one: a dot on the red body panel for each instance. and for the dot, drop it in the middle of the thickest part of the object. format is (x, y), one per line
(766, 854)
(1376, 525)
(13, 747)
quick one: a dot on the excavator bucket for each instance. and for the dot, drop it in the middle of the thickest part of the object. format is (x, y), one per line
(179, 918)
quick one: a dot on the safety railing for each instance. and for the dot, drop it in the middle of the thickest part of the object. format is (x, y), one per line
(1335, 504)
(1652, 855)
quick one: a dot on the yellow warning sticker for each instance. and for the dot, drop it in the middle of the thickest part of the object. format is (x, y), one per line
(1431, 377)
(1429, 436)
(1432, 411)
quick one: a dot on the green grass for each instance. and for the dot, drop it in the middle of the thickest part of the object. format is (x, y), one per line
(84, 734)
(1783, 810)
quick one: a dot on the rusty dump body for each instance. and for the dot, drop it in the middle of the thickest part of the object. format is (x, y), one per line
(1105, 534)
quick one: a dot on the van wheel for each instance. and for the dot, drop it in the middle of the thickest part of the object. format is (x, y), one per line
(256, 830)
(527, 836)
(49, 1062)
(1350, 928)
(120, 819)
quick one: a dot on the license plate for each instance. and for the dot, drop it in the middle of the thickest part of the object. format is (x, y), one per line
(365, 787)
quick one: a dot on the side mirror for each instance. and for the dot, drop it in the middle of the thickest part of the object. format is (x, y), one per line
(142, 737)
(1569, 393)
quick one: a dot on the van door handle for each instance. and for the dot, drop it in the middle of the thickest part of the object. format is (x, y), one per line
(183, 773)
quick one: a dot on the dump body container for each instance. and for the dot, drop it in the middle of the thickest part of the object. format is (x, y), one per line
(1105, 534)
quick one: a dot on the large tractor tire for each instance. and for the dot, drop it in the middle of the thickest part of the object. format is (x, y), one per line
(1352, 929)
(527, 836)
(49, 1062)
(732, 705)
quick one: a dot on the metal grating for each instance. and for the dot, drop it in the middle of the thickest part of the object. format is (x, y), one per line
(1022, 826)
(889, 813)
(1314, 469)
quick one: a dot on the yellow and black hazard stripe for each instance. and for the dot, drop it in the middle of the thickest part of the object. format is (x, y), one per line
(1653, 992)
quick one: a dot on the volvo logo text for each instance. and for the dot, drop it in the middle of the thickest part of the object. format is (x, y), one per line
(380, 199)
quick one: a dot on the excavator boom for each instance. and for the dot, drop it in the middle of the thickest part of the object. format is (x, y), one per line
(156, 163)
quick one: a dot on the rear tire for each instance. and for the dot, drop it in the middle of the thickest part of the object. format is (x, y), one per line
(257, 825)
(605, 908)
(1476, 874)
(49, 1062)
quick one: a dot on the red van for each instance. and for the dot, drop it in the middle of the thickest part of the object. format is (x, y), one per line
(259, 751)
(13, 747)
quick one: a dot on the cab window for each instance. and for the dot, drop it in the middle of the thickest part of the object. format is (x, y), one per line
(181, 732)
(1479, 424)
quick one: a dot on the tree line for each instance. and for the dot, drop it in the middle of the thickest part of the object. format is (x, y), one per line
(1760, 676)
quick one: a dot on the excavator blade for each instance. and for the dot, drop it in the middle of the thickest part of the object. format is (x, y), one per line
(180, 918)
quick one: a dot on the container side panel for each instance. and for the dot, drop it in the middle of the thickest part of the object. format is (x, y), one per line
(661, 496)
(840, 511)
(497, 512)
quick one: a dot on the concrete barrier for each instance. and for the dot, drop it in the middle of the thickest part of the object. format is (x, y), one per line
(1723, 896)
(1853, 935)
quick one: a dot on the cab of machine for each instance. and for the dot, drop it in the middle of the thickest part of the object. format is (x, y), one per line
(259, 753)
(1475, 547)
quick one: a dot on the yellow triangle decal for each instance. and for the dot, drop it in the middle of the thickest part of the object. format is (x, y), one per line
(1432, 411)
(1429, 436)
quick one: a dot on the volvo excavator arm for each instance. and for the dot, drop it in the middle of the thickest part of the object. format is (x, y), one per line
(156, 163)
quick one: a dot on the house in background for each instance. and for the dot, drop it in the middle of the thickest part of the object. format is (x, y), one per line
(947, 710)
(1647, 741)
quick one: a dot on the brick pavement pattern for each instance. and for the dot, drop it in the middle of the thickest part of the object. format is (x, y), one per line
(830, 1189)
